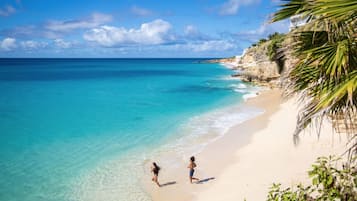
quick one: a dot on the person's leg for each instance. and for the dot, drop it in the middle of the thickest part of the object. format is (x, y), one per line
(190, 175)
(193, 178)
(156, 180)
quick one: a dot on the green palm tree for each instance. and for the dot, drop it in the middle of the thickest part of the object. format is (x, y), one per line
(325, 75)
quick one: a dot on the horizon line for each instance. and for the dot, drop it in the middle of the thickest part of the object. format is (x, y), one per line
(112, 57)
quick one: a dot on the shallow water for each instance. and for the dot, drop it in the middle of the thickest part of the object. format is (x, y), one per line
(81, 129)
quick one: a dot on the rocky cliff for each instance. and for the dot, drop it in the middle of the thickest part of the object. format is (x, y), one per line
(256, 66)
(263, 63)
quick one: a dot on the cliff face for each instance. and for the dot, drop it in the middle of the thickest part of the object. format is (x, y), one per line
(256, 64)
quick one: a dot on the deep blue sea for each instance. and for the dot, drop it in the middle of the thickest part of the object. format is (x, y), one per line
(74, 129)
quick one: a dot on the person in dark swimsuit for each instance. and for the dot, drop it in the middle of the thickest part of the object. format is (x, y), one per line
(155, 170)
(192, 166)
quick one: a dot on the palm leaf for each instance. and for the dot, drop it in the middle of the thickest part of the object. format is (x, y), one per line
(325, 75)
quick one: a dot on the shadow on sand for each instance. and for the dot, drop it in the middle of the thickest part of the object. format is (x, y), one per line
(205, 180)
(168, 183)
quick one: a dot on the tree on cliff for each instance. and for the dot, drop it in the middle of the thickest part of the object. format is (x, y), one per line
(325, 75)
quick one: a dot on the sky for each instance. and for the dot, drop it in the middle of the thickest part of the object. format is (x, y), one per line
(134, 28)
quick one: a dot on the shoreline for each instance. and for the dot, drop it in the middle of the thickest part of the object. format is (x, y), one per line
(206, 170)
(229, 170)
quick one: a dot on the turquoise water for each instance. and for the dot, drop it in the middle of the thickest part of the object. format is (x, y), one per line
(73, 126)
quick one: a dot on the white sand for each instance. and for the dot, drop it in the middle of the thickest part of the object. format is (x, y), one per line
(272, 157)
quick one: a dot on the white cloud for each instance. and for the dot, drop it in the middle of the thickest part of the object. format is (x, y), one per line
(30, 44)
(231, 7)
(264, 30)
(141, 11)
(151, 33)
(157, 34)
(56, 29)
(29, 32)
(62, 43)
(281, 26)
(192, 33)
(95, 20)
(7, 10)
(191, 30)
(8, 44)
(214, 45)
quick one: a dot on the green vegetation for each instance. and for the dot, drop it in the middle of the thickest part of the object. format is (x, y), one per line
(276, 40)
(326, 72)
(328, 183)
(275, 52)
(261, 41)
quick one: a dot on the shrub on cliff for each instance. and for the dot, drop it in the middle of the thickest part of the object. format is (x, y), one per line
(328, 183)
(275, 52)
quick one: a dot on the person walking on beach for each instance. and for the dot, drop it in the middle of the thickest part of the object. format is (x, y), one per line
(155, 170)
(192, 166)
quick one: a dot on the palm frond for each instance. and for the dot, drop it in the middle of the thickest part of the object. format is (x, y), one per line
(325, 75)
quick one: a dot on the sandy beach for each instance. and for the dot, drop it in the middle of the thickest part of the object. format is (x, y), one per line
(251, 156)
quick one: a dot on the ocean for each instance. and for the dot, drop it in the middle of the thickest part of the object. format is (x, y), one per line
(85, 129)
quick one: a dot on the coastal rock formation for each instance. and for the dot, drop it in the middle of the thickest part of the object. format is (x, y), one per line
(264, 63)
(255, 65)
(229, 60)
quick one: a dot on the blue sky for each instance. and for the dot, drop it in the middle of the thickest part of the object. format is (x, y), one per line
(133, 28)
